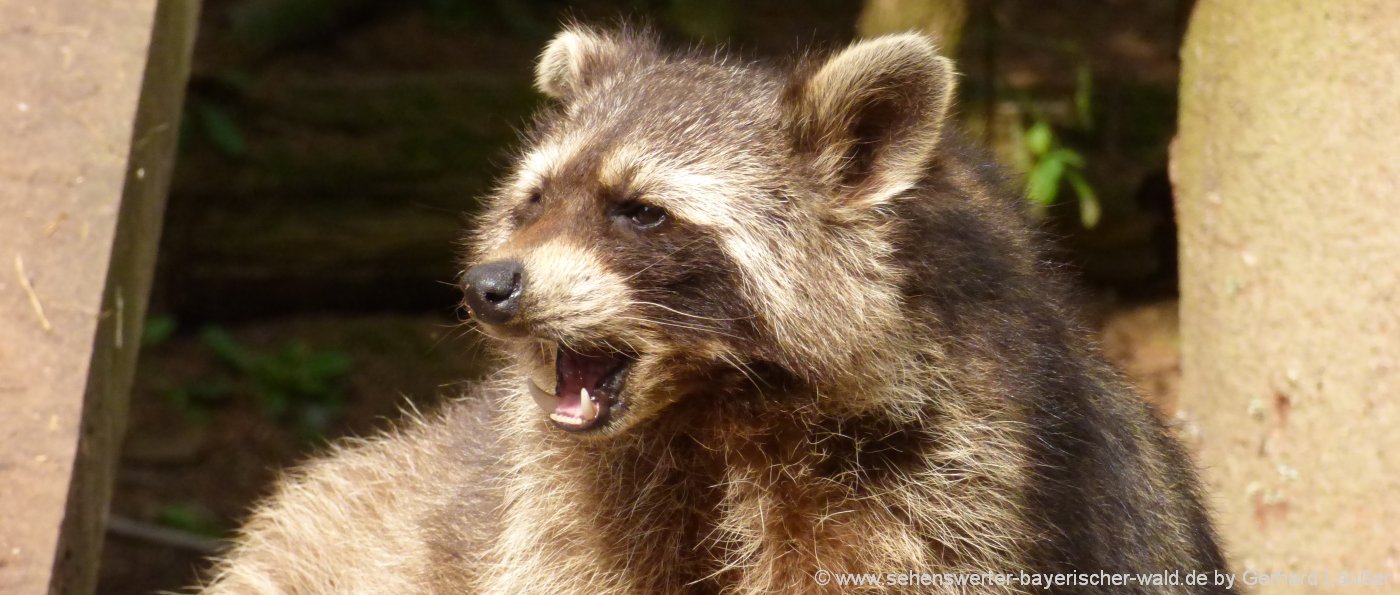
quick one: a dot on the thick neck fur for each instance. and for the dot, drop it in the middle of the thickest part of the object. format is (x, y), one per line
(755, 492)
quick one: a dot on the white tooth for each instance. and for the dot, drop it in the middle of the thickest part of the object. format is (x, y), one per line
(546, 401)
(587, 410)
(544, 378)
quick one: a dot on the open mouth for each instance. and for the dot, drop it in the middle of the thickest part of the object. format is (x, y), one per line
(587, 385)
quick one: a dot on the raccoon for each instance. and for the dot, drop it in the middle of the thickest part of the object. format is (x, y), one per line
(761, 325)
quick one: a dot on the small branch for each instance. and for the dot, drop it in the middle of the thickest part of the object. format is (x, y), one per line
(166, 536)
(33, 296)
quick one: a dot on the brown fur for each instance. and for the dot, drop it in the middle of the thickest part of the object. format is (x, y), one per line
(846, 356)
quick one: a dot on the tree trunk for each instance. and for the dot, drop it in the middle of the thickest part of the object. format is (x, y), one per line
(1287, 174)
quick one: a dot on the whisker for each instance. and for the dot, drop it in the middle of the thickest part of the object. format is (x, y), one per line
(679, 325)
(455, 332)
(675, 311)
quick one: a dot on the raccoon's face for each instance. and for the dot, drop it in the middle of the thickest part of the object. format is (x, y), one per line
(677, 224)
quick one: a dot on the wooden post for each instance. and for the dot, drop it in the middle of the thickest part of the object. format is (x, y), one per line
(89, 109)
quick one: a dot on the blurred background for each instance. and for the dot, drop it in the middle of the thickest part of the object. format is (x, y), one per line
(332, 152)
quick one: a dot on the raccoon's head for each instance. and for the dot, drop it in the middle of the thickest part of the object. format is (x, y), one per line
(680, 224)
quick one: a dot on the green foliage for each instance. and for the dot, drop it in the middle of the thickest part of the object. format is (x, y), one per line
(1090, 209)
(294, 383)
(196, 399)
(212, 122)
(158, 329)
(191, 518)
(1050, 164)
(1083, 96)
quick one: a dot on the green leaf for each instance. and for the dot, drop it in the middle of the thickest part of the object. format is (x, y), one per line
(227, 350)
(1090, 211)
(218, 126)
(274, 402)
(196, 399)
(288, 382)
(1083, 96)
(330, 364)
(1043, 183)
(1071, 157)
(1039, 137)
(190, 518)
(159, 328)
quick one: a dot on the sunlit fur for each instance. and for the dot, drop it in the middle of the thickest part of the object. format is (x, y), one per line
(850, 355)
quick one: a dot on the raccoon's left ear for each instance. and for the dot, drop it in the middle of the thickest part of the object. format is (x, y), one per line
(871, 116)
(580, 56)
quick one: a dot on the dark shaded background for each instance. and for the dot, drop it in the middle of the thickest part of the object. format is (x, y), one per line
(332, 151)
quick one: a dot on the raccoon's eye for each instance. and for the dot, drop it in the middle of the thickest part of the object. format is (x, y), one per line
(641, 216)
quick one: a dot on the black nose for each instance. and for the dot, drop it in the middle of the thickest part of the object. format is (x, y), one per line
(493, 291)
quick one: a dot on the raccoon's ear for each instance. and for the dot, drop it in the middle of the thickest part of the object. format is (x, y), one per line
(579, 56)
(870, 117)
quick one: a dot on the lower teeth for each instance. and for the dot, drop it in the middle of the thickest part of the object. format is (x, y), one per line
(564, 419)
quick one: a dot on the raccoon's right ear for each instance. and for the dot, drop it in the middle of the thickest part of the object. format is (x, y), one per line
(580, 56)
(870, 117)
